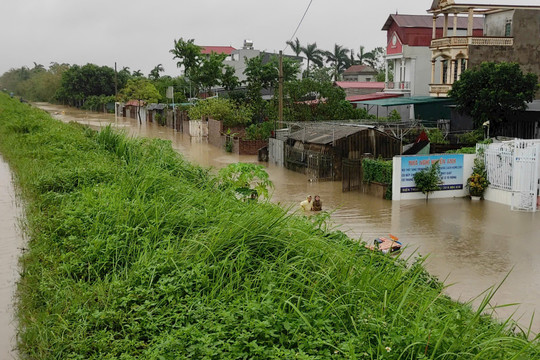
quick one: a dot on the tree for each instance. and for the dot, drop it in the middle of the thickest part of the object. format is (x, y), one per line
(313, 55)
(295, 46)
(142, 90)
(187, 53)
(80, 82)
(428, 180)
(339, 59)
(229, 80)
(210, 71)
(493, 92)
(154, 73)
(137, 73)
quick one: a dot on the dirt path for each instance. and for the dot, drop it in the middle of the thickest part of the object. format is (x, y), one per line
(11, 241)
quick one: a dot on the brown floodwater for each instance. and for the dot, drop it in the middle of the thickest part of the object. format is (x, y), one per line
(471, 245)
(11, 241)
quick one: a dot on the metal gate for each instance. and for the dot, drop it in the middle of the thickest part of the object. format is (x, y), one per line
(525, 176)
(352, 175)
(319, 166)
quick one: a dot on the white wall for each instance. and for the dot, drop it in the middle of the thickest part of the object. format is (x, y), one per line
(468, 162)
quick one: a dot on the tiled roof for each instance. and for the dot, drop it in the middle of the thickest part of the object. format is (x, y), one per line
(426, 21)
(359, 84)
(207, 50)
(360, 69)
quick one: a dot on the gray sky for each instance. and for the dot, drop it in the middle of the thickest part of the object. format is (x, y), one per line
(140, 33)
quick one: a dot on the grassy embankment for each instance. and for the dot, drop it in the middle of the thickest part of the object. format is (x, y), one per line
(134, 254)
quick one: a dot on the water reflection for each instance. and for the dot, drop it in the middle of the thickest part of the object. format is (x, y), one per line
(472, 244)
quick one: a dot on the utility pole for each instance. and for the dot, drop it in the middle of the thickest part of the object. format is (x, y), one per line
(115, 81)
(280, 111)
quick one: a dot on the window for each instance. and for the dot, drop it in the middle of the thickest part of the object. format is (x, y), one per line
(445, 71)
(508, 28)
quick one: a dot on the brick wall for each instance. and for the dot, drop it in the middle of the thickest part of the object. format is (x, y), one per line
(251, 147)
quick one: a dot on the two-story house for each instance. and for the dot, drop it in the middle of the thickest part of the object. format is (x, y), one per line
(408, 53)
(510, 33)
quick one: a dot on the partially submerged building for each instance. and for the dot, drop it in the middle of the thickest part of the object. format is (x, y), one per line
(319, 149)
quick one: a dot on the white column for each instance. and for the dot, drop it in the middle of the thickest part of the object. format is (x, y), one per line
(434, 31)
(445, 29)
(470, 23)
(455, 24)
(433, 71)
(386, 80)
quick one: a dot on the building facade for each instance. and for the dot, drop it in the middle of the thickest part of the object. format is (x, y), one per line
(511, 33)
(408, 53)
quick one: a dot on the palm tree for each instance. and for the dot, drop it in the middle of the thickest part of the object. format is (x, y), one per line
(295, 46)
(366, 58)
(339, 59)
(154, 73)
(137, 73)
(313, 55)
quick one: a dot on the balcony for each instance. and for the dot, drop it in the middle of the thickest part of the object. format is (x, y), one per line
(463, 41)
(439, 90)
(403, 86)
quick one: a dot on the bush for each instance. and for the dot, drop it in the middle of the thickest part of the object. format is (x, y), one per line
(378, 171)
(260, 131)
(428, 180)
(223, 110)
(436, 136)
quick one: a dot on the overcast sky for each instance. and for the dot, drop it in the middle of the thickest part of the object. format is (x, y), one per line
(140, 33)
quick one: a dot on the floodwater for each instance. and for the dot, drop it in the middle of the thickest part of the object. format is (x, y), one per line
(11, 241)
(471, 245)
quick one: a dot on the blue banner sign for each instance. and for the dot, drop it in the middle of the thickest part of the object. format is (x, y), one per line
(451, 171)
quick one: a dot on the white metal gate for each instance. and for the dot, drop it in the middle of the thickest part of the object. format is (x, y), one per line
(525, 176)
(514, 166)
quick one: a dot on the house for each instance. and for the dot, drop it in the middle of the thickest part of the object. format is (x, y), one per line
(227, 50)
(363, 73)
(511, 33)
(408, 53)
(238, 58)
(320, 149)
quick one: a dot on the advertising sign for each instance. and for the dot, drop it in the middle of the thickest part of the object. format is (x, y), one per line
(451, 166)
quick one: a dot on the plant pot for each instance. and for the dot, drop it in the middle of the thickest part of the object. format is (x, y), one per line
(475, 197)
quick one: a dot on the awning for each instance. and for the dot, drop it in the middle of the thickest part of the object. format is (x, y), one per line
(398, 101)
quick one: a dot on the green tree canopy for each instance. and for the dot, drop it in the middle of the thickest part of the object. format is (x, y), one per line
(142, 90)
(187, 53)
(493, 91)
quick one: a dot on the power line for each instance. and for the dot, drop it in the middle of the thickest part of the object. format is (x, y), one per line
(300, 23)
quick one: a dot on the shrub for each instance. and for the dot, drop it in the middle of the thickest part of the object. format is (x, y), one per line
(260, 131)
(378, 171)
(428, 180)
(223, 110)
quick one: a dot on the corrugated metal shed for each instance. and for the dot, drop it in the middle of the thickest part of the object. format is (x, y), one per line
(325, 135)
(156, 106)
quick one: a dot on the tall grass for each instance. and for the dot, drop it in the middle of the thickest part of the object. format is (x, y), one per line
(135, 254)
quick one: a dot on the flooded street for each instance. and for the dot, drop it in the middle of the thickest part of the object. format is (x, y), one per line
(10, 243)
(473, 245)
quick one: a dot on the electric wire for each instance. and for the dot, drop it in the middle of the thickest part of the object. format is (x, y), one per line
(298, 27)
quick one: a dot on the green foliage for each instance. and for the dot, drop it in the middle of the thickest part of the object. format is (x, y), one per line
(379, 171)
(187, 53)
(140, 89)
(436, 136)
(310, 100)
(471, 137)
(81, 82)
(260, 131)
(494, 91)
(428, 180)
(98, 103)
(133, 253)
(243, 176)
(394, 115)
(221, 109)
(210, 71)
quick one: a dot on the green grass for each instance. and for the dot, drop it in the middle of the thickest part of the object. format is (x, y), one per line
(134, 254)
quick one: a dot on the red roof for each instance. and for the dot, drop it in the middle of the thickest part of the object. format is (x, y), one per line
(426, 21)
(359, 84)
(375, 96)
(134, 103)
(207, 50)
(360, 69)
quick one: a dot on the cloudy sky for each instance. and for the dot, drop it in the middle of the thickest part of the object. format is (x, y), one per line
(139, 33)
